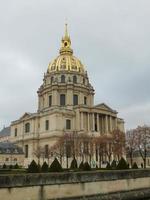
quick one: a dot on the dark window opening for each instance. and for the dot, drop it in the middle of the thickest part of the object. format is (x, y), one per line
(47, 125)
(62, 99)
(95, 127)
(68, 124)
(62, 78)
(75, 99)
(27, 127)
(74, 79)
(52, 79)
(85, 100)
(15, 132)
(26, 151)
(83, 80)
(50, 101)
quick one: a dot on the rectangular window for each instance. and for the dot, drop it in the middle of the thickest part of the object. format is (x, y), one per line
(47, 125)
(75, 99)
(27, 127)
(26, 151)
(46, 151)
(85, 100)
(68, 124)
(50, 101)
(62, 99)
(15, 132)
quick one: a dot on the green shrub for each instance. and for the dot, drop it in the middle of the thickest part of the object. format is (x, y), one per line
(4, 166)
(44, 167)
(113, 164)
(74, 164)
(108, 166)
(122, 164)
(81, 166)
(33, 167)
(55, 166)
(16, 166)
(10, 166)
(86, 166)
(134, 166)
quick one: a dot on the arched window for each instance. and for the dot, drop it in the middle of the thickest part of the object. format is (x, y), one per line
(27, 127)
(62, 78)
(74, 79)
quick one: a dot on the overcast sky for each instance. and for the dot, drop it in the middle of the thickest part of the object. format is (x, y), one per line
(110, 37)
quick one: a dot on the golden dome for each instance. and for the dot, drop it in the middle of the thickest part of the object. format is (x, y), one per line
(66, 61)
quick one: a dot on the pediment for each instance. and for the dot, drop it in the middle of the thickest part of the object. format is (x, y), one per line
(103, 106)
(25, 115)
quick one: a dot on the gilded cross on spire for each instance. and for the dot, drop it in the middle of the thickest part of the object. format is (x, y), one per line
(66, 43)
(66, 30)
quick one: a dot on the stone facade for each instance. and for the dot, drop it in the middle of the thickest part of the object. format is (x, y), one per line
(11, 154)
(65, 104)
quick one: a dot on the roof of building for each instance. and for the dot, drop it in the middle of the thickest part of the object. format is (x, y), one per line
(10, 148)
(66, 61)
(5, 131)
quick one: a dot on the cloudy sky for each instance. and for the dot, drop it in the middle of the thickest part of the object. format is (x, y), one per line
(111, 37)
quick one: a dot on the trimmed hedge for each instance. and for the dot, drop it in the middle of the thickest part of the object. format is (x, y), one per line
(44, 167)
(86, 166)
(55, 166)
(134, 166)
(33, 167)
(74, 164)
(108, 166)
(81, 165)
(122, 164)
(113, 164)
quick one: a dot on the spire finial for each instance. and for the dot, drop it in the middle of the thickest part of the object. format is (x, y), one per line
(66, 30)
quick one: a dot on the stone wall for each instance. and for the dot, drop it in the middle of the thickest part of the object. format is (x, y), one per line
(127, 184)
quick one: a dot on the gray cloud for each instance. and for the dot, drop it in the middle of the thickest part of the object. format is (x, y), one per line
(110, 37)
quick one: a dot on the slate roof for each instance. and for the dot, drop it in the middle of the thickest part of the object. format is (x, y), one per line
(5, 131)
(10, 148)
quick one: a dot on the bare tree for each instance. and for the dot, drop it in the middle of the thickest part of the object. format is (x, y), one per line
(118, 142)
(143, 141)
(131, 143)
(39, 153)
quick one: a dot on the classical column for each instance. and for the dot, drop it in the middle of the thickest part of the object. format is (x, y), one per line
(88, 121)
(97, 122)
(93, 122)
(116, 123)
(106, 124)
(82, 121)
(110, 123)
(102, 125)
